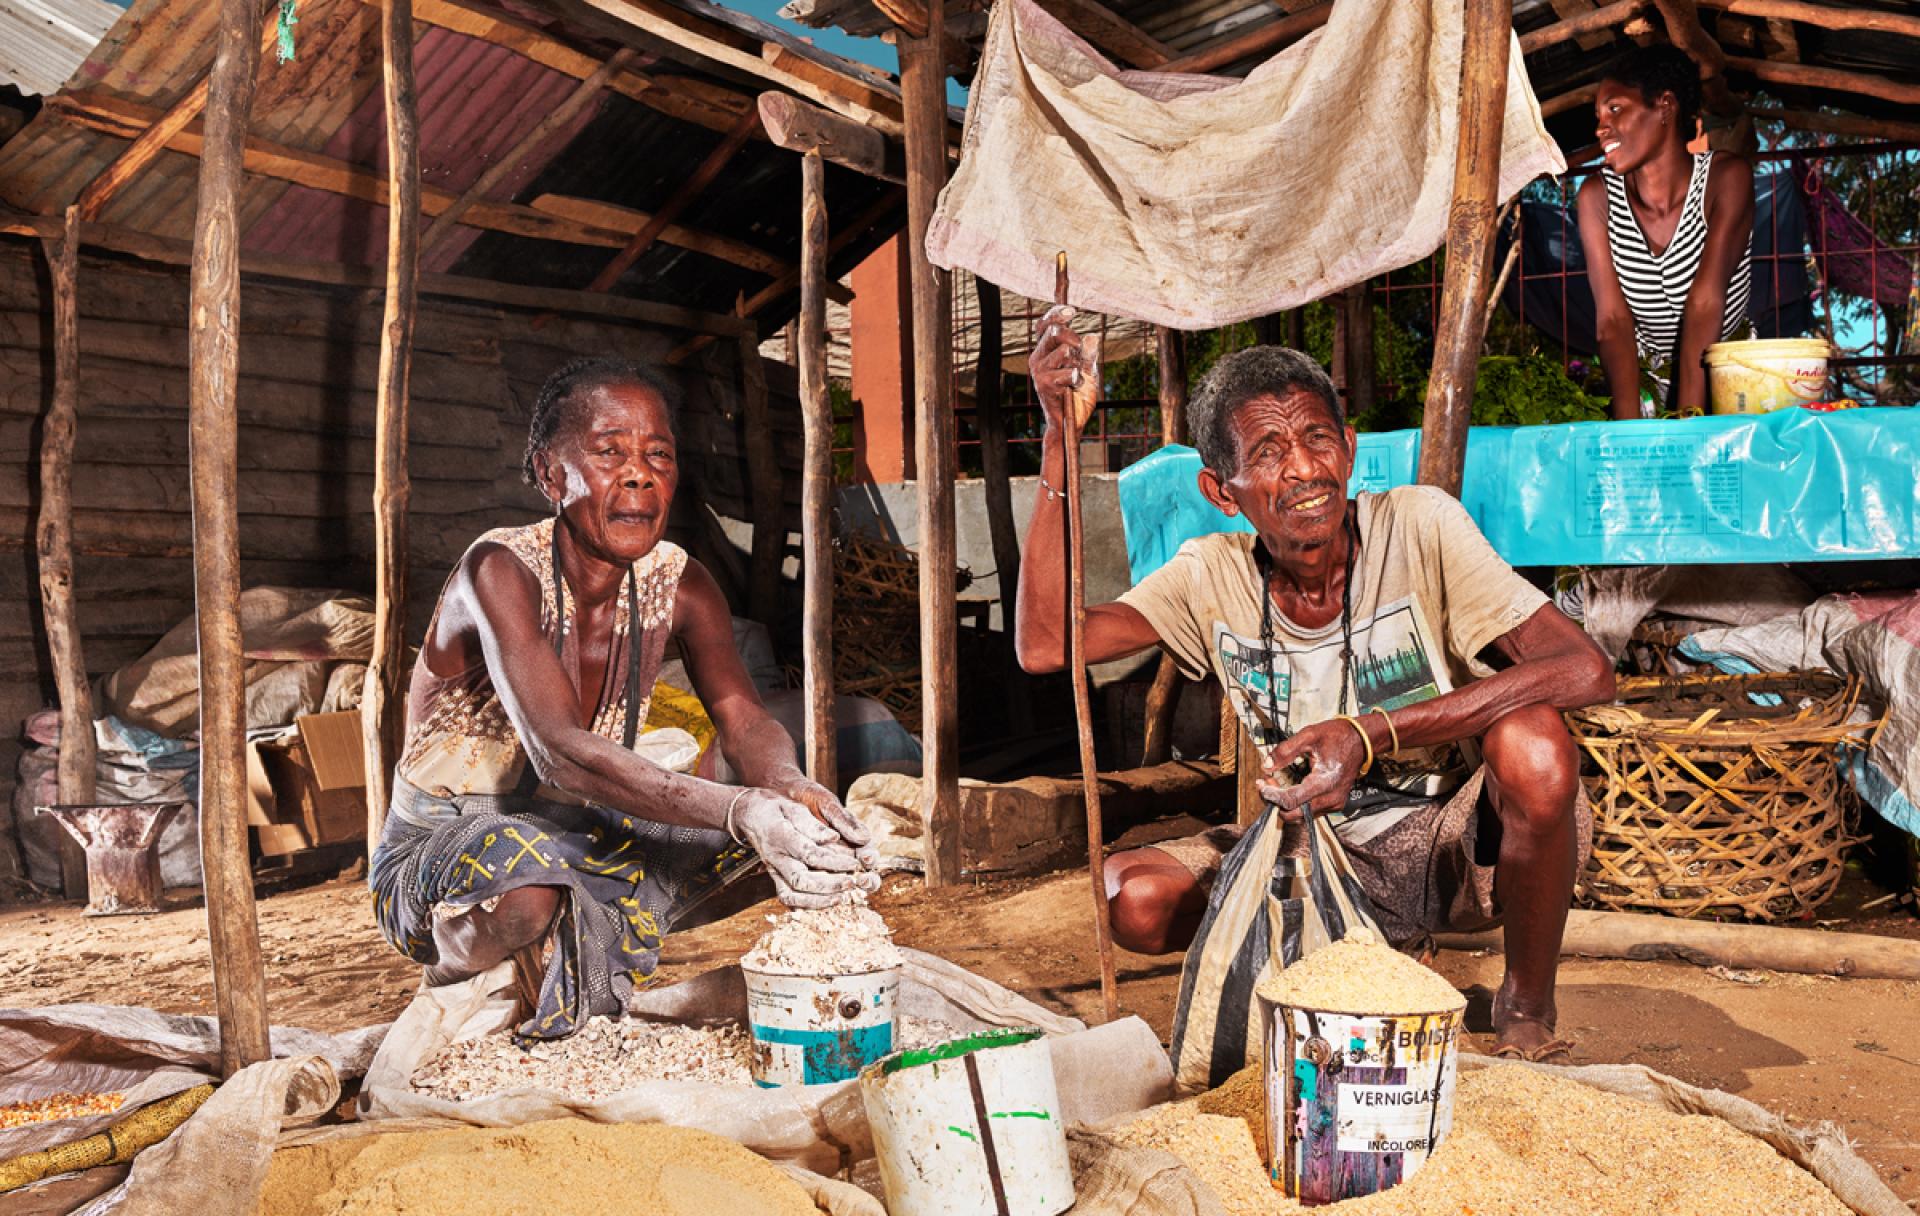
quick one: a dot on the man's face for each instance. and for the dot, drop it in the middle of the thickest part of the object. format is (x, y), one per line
(613, 469)
(1290, 479)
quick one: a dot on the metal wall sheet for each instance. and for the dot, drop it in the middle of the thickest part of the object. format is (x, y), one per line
(43, 41)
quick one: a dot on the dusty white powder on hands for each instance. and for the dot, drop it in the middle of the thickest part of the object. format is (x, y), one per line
(847, 939)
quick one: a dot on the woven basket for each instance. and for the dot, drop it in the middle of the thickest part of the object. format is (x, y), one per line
(1705, 803)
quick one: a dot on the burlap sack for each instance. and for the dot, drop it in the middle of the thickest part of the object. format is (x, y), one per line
(1196, 201)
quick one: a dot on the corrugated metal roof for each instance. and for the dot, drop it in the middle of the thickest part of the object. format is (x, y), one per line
(43, 41)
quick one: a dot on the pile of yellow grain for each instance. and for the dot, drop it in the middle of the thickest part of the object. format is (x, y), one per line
(53, 1107)
(563, 1167)
(1524, 1143)
(1361, 974)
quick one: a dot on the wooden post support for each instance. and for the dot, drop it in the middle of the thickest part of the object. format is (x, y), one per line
(995, 467)
(53, 547)
(1163, 697)
(383, 696)
(924, 99)
(766, 498)
(1085, 396)
(1356, 303)
(1476, 188)
(816, 479)
(213, 346)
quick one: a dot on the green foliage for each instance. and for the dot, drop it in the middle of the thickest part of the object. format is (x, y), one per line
(1529, 390)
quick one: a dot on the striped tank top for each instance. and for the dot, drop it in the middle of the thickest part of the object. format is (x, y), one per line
(1656, 286)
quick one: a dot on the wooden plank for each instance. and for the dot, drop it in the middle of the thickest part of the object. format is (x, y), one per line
(239, 974)
(687, 98)
(683, 197)
(627, 221)
(383, 694)
(586, 93)
(1462, 323)
(923, 84)
(798, 127)
(53, 549)
(1275, 34)
(1821, 16)
(816, 482)
(1806, 76)
(1163, 695)
(709, 42)
(1582, 26)
(1110, 32)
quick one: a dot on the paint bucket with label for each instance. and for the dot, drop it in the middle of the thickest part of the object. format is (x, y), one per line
(970, 1128)
(815, 1029)
(1356, 1100)
(1766, 374)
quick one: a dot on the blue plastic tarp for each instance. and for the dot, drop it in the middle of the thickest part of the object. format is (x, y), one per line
(1791, 486)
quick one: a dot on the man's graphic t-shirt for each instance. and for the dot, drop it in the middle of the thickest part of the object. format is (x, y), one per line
(1429, 594)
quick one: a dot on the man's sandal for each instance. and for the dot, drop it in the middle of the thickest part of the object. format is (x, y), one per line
(1553, 1051)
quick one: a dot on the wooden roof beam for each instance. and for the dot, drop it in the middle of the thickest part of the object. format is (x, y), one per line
(1811, 77)
(1111, 32)
(1275, 34)
(1839, 124)
(690, 189)
(115, 116)
(798, 127)
(1682, 19)
(700, 102)
(1821, 15)
(171, 252)
(1593, 21)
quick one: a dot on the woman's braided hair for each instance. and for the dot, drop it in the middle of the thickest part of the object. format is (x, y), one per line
(1654, 70)
(570, 386)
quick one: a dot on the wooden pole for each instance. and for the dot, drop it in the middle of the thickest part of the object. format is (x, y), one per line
(1272, 36)
(923, 87)
(213, 344)
(994, 465)
(1356, 304)
(53, 547)
(1476, 203)
(1604, 18)
(1163, 696)
(1821, 15)
(816, 485)
(1863, 83)
(1839, 124)
(766, 498)
(383, 696)
(1085, 395)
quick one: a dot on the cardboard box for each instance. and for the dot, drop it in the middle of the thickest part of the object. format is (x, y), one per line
(315, 784)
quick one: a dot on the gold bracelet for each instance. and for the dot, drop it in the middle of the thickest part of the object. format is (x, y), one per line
(1391, 729)
(1364, 738)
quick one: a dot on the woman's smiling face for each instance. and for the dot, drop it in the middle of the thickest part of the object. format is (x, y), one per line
(1630, 129)
(613, 468)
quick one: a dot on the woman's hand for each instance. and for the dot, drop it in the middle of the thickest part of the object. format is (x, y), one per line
(812, 865)
(1334, 752)
(1058, 366)
(827, 809)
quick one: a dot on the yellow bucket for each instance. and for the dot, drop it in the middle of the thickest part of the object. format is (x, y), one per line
(1766, 374)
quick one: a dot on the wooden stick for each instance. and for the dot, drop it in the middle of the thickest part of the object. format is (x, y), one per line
(1110, 32)
(1682, 20)
(1821, 16)
(622, 222)
(53, 549)
(996, 472)
(584, 94)
(1604, 18)
(1568, 101)
(1356, 316)
(1829, 78)
(923, 84)
(1839, 124)
(1633, 935)
(816, 485)
(383, 695)
(137, 155)
(1084, 396)
(688, 191)
(1163, 696)
(213, 343)
(1275, 34)
(1476, 189)
(767, 500)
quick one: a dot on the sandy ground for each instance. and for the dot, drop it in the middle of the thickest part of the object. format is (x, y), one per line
(1810, 1048)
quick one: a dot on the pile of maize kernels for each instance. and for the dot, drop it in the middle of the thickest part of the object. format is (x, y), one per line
(55, 1107)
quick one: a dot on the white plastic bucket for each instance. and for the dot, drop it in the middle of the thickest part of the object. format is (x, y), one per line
(1766, 374)
(970, 1128)
(1356, 1102)
(817, 1029)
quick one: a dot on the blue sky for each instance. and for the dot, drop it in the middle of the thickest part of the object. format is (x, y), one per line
(865, 50)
